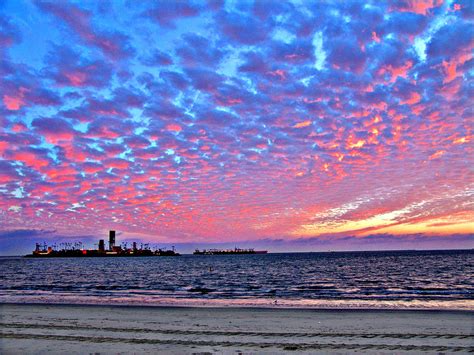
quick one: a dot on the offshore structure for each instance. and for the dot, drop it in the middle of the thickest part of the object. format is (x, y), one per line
(228, 251)
(76, 250)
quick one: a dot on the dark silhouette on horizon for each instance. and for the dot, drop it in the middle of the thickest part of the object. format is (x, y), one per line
(76, 250)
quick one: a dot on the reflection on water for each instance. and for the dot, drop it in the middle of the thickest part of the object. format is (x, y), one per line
(292, 279)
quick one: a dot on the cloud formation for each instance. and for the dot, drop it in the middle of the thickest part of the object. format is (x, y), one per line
(237, 121)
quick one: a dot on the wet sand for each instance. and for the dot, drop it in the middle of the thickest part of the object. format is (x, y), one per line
(78, 329)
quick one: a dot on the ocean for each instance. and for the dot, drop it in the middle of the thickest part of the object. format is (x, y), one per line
(395, 279)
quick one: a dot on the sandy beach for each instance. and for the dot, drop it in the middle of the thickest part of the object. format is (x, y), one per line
(72, 329)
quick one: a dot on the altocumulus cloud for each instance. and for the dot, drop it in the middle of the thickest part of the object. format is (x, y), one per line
(215, 122)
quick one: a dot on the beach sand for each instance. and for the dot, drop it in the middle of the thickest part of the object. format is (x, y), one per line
(60, 329)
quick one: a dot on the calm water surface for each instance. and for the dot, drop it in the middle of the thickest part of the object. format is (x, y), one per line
(413, 277)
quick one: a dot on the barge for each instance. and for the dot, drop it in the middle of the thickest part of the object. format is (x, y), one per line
(228, 251)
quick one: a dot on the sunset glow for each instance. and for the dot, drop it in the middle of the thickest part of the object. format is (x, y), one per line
(237, 121)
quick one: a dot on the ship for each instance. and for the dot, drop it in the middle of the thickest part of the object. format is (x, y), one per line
(76, 250)
(234, 251)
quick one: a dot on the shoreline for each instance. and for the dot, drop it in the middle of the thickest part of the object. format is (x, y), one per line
(77, 329)
(238, 307)
(257, 303)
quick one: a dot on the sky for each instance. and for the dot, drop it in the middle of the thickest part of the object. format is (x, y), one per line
(287, 125)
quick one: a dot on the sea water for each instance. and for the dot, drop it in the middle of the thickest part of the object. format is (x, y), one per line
(397, 279)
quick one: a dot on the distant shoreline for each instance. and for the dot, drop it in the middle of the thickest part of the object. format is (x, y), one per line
(319, 252)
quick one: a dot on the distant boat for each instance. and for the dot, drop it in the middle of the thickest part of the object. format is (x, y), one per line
(228, 251)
